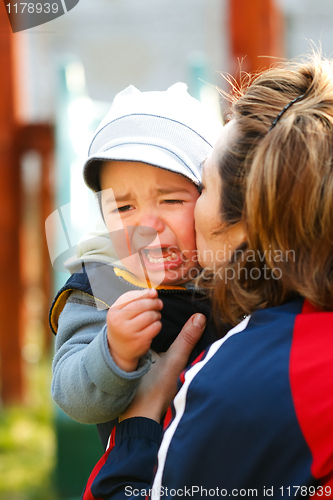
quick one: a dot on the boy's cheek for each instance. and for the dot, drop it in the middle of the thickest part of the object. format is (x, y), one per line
(112, 224)
(190, 255)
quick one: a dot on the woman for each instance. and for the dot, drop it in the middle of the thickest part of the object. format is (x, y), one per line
(254, 416)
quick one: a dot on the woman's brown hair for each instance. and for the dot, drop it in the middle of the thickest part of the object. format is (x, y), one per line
(278, 180)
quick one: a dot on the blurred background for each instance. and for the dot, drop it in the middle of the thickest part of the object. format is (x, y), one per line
(57, 81)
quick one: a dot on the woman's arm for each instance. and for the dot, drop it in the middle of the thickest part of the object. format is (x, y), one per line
(127, 467)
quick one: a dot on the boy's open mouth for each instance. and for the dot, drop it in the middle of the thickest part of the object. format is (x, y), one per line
(154, 256)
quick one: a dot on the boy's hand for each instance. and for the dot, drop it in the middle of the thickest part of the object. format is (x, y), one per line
(132, 323)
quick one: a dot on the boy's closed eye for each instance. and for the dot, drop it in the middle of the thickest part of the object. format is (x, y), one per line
(126, 208)
(171, 202)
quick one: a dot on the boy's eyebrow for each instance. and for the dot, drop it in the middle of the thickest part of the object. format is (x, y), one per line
(172, 190)
(122, 197)
(127, 196)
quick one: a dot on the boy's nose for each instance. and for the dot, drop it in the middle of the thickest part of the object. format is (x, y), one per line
(151, 220)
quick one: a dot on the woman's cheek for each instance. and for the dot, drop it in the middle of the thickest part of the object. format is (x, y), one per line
(198, 218)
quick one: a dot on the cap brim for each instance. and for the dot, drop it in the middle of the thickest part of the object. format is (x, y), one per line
(151, 154)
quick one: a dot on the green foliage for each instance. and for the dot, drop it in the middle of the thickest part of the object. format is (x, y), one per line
(27, 441)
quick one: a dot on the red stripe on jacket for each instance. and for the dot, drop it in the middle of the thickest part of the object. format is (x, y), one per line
(87, 492)
(311, 379)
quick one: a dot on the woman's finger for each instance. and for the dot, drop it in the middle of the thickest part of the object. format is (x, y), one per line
(180, 350)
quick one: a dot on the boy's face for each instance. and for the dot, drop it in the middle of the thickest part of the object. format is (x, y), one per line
(148, 196)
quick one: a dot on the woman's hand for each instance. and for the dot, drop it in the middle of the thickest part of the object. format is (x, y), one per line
(159, 386)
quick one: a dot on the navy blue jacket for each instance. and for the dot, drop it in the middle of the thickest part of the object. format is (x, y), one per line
(253, 418)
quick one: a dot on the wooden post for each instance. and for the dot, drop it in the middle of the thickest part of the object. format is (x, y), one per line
(47, 206)
(39, 137)
(256, 34)
(10, 199)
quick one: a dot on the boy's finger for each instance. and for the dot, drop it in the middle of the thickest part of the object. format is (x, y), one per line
(132, 296)
(133, 309)
(137, 307)
(151, 331)
(143, 320)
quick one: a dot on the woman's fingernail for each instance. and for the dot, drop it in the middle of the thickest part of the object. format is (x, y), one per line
(199, 320)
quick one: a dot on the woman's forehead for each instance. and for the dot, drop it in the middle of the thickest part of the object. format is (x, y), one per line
(225, 137)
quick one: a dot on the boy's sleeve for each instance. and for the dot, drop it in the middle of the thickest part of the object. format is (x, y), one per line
(87, 384)
(126, 469)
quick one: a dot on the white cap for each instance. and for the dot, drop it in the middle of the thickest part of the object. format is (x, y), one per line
(168, 129)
